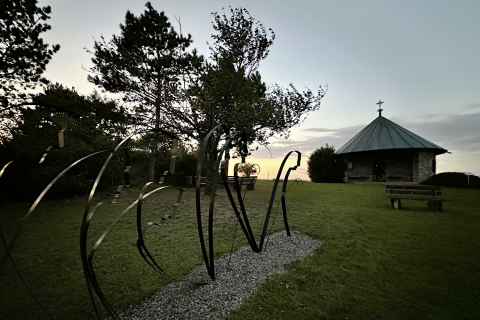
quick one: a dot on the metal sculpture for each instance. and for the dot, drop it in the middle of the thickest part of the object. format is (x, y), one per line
(8, 247)
(219, 174)
(142, 229)
(88, 270)
(243, 217)
(245, 223)
(87, 257)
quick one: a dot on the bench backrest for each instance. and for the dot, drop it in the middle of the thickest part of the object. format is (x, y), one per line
(242, 180)
(414, 189)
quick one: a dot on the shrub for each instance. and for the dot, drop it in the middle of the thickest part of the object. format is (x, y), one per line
(248, 169)
(25, 178)
(324, 166)
(453, 179)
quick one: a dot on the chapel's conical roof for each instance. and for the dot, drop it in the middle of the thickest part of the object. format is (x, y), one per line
(383, 134)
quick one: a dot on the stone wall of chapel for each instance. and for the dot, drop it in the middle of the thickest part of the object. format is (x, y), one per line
(425, 161)
(359, 165)
(398, 164)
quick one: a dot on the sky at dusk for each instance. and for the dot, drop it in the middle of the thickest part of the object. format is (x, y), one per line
(420, 57)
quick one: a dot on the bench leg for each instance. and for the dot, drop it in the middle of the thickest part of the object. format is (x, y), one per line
(435, 205)
(430, 204)
(396, 203)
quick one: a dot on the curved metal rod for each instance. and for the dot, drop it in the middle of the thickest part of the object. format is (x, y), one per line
(245, 223)
(238, 189)
(248, 235)
(209, 260)
(140, 244)
(4, 244)
(211, 207)
(34, 205)
(142, 249)
(93, 282)
(272, 197)
(141, 232)
(200, 160)
(149, 258)
(88, 270)
(284, 191)
(89, 276)
(4, 167)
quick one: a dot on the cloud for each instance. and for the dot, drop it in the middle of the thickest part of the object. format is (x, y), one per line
(334, 133)
(452, 132)
(472, 106)
(310, 139)
(458, 133)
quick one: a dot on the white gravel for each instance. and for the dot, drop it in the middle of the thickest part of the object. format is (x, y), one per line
(216, 299)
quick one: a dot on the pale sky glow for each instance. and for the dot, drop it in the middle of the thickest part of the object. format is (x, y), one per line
(420, 57)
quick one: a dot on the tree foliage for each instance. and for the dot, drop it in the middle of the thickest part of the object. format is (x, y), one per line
(146, 64)
(230, 90)
(89, 124)
(247, 169)
(92, 114)
(323, 166)
(241, 40)
(23, 54)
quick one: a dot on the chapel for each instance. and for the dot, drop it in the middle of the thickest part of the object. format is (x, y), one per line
(386, 152)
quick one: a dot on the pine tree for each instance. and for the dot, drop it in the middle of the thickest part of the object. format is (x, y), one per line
(146, 64)
(23, 55)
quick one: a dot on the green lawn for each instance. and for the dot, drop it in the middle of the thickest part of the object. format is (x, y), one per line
(375, 263)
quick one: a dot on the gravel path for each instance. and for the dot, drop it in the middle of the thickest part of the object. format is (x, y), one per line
(215, 300)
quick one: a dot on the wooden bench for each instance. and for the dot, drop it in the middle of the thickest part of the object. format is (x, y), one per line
(245, 181)
(431, 194)
(203, 181)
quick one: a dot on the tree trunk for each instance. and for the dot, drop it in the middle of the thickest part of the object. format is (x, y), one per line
(153, 154)
(209, 163)
(211, 172)
(151, 169)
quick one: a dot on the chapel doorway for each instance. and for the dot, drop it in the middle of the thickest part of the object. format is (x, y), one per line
(379, 171)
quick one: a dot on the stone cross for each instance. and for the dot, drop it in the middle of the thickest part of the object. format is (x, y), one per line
(380, 107)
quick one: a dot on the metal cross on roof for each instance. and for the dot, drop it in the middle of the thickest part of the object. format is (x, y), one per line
(379, 107)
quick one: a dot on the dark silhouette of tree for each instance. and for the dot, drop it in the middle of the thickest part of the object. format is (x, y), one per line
(181, 92)
(147, 63)
(323, 166)
(230, 90)
(23, 55)
(88, 124)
